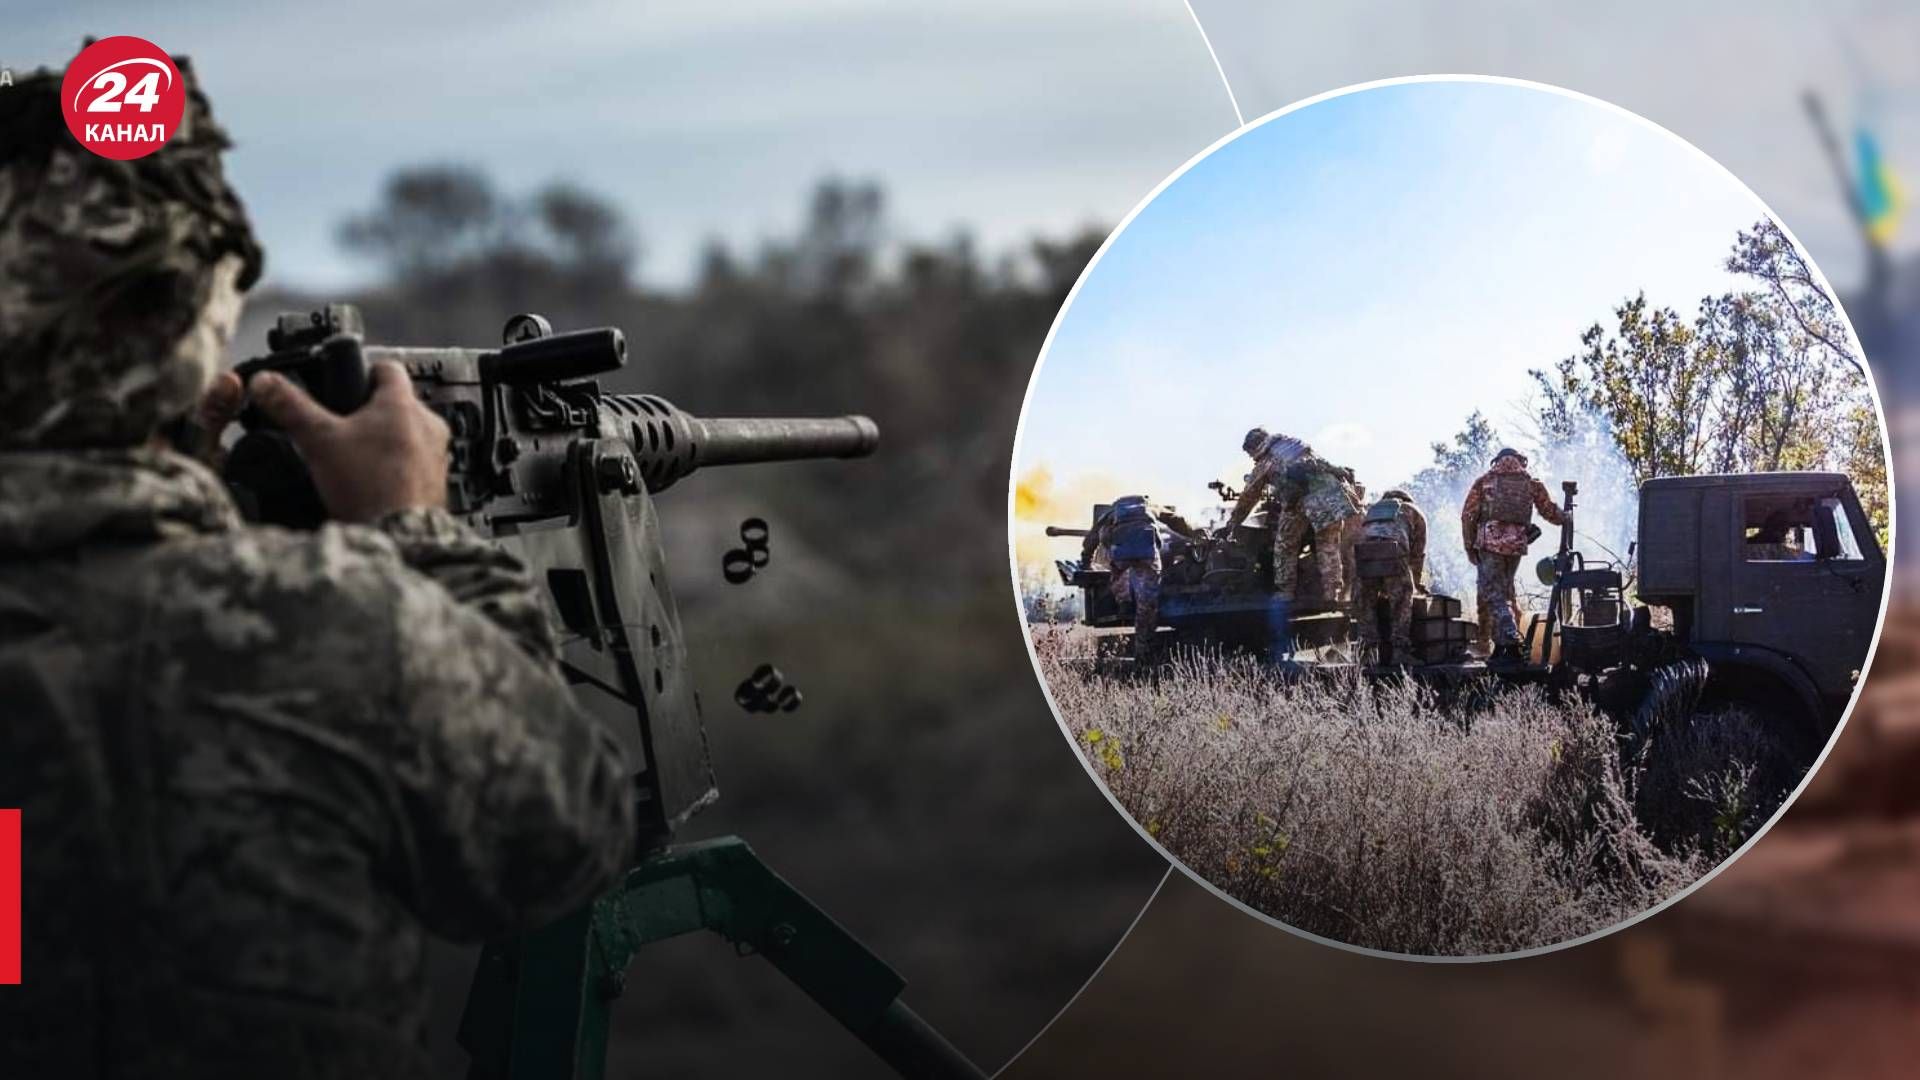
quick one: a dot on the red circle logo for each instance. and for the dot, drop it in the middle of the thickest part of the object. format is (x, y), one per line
(122, 97)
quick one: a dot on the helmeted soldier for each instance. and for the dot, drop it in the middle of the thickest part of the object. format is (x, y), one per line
(1496, 524)
(1310, 498)
(1133, 532)
(1390, 558)
(256, 767)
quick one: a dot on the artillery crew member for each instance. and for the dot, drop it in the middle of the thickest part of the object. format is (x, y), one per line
(1389, 560)
(1310, 497)
(1131, 531)
(1496, 524)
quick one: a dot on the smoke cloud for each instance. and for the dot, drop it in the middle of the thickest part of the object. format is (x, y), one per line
(1606, 513)
(1040, 500)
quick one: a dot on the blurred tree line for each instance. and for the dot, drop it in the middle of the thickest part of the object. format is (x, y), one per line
(932, 340)
(888, 599)
(1762, 379)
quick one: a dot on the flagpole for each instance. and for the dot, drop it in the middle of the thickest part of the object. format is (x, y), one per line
(1879, 282)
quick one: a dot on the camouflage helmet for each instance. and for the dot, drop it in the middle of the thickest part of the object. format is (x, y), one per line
(1255, 441)
(1510, 452)
(105, 267)
(1398, 495)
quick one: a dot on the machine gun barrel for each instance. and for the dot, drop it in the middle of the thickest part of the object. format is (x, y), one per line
(743, 441)
(670, 443)
(1056, 530)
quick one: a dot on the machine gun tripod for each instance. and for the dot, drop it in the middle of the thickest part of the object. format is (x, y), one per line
(557, 986)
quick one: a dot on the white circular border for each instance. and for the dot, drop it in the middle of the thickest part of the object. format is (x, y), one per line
(1026, 401)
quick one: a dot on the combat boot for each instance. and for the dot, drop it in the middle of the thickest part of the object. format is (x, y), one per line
(1506, 655)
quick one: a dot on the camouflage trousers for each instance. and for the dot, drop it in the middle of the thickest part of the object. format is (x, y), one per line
(1397, 593)
(1138, 580)
(1483, 634)
(1495, 596)
(1290, 532)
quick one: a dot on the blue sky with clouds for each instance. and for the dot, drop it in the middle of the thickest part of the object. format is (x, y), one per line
(1367, 271)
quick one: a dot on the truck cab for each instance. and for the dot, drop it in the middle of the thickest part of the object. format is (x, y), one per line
(1775, 578)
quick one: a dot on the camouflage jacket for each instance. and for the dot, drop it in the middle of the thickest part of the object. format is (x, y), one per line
(1502, 537)
(1329, 499)
(257, 767)
(1271, 482)
(1308, 486)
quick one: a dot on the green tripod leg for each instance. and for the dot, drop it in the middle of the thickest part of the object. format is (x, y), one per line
(539, 1006)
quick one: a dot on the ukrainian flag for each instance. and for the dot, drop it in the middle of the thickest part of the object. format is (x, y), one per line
(1881, 199)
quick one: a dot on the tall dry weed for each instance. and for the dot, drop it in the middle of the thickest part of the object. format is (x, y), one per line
(1365, 812)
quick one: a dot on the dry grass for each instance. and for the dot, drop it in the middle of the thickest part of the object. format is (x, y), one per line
(1365, 813)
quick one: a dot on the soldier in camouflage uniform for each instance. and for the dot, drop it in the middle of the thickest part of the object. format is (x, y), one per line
(1391, 558)
(256, 767)
(1132, 534)
(1495, 522)
(1310, 498)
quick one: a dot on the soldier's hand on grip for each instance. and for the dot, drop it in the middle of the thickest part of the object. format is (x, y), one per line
(388, 455)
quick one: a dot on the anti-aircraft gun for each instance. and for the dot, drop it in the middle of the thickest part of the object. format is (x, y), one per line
(1769, 586)
(1214, 590)
(562, 474)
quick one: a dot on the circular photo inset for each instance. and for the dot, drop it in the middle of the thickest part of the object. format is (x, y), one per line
(1451, 517)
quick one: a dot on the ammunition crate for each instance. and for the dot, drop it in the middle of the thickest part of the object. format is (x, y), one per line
(1437, 631)
(1436, 607)
(1439, 652)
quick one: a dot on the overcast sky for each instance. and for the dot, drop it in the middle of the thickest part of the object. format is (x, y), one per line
(1725, 74)
(699, 119)
(1364, 273)
(712, 119)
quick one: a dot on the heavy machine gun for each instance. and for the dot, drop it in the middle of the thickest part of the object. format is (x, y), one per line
(562, 474)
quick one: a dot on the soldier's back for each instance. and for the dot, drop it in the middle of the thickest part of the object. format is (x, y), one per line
(201, 736)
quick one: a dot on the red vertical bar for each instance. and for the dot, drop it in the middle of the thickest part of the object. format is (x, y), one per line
(9, 897)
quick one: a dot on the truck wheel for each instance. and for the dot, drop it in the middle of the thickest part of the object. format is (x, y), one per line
(1773, 705)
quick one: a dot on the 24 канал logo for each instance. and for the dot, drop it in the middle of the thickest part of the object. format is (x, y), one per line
(122, 97)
